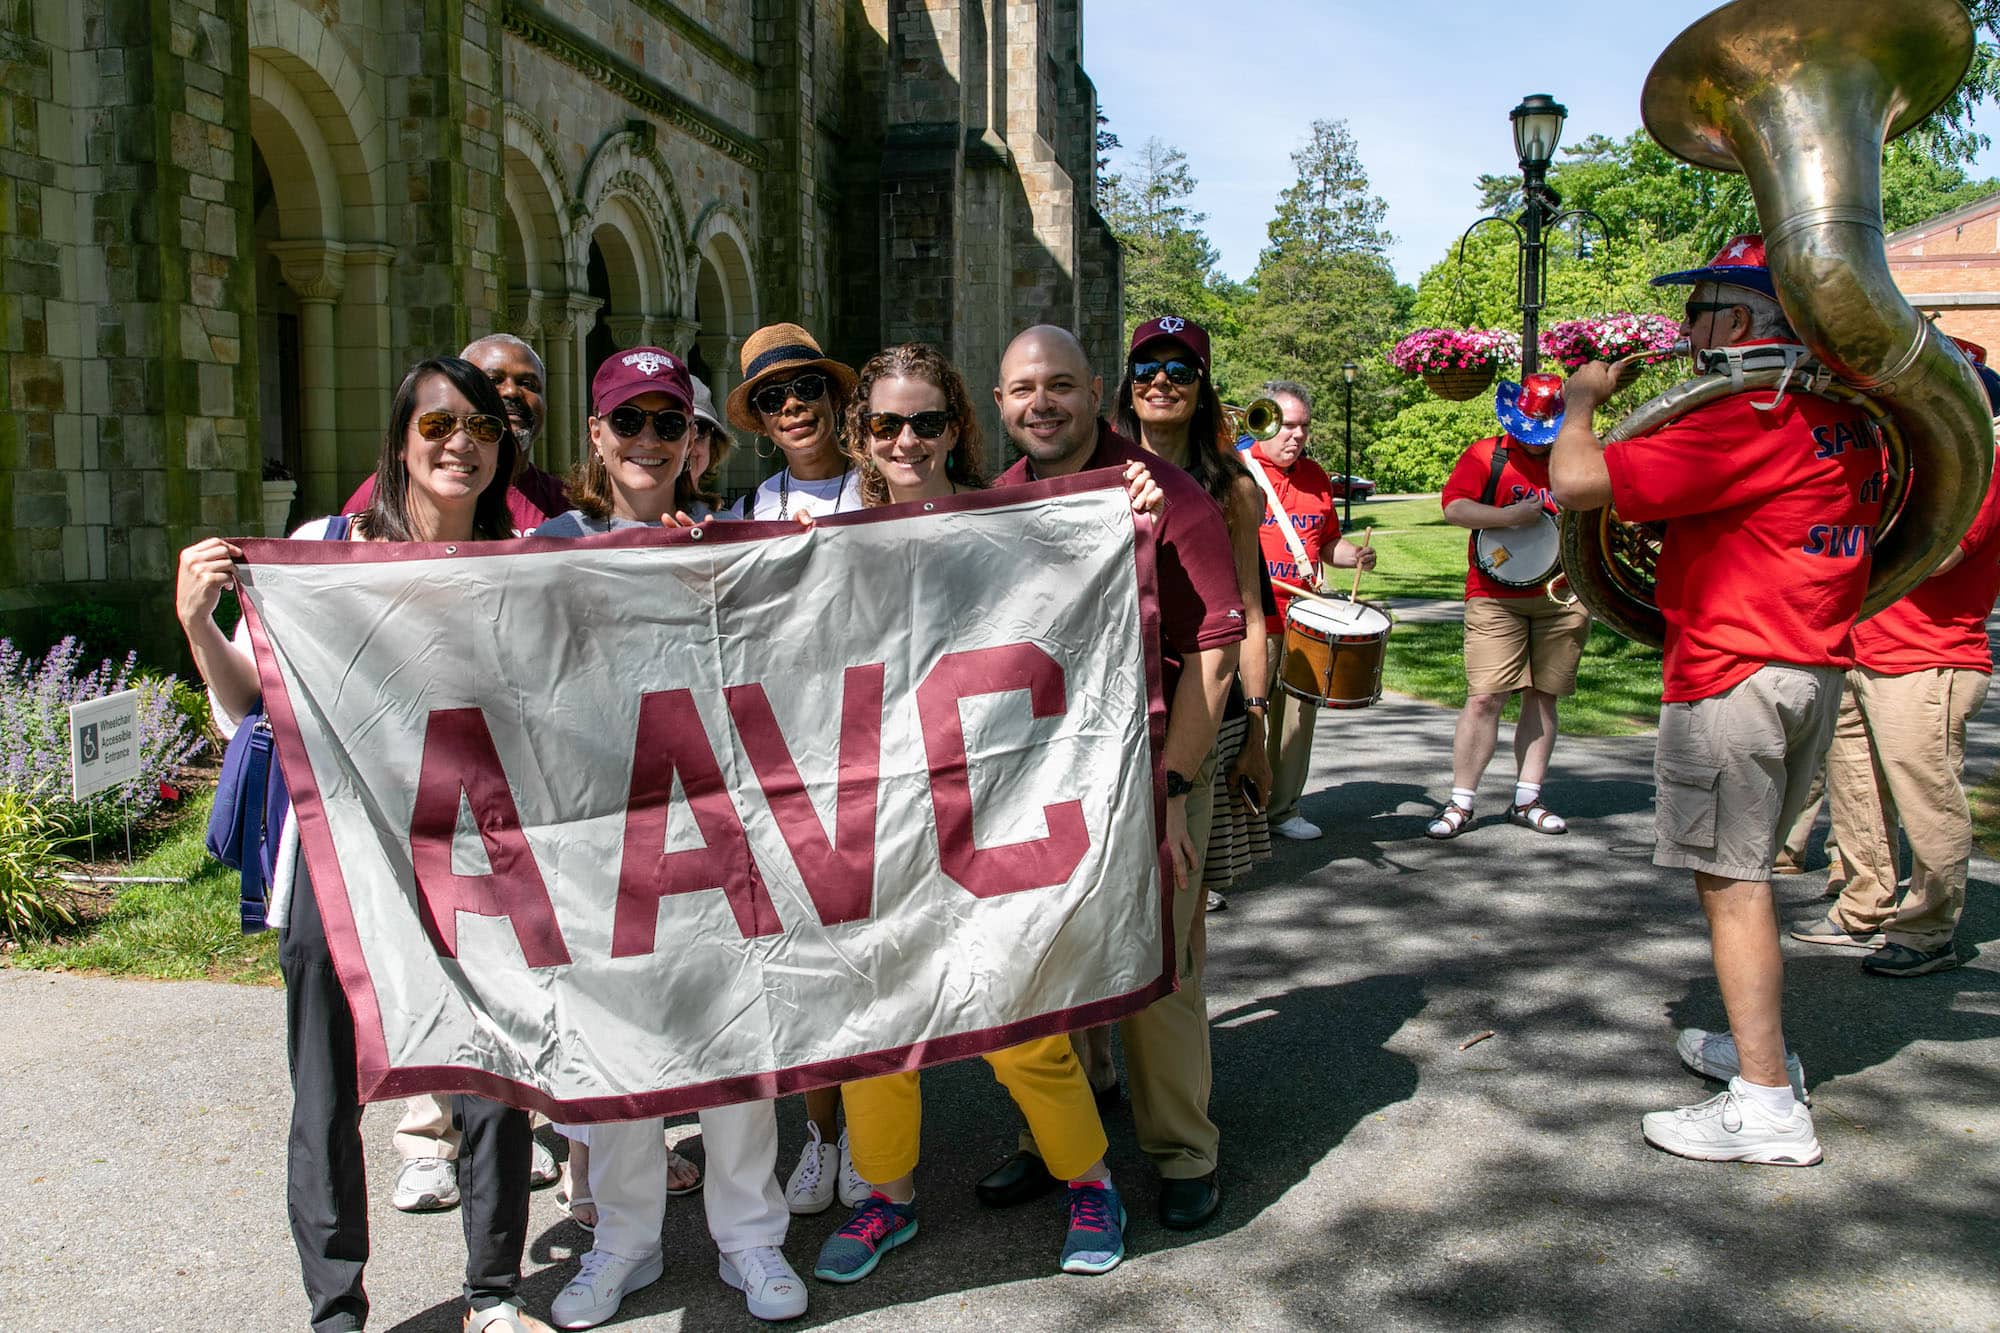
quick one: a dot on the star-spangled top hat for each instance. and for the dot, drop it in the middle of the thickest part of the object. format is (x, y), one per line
(1739, 263)
(1531, 411)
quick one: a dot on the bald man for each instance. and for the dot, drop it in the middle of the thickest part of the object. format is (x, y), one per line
(1049, 401)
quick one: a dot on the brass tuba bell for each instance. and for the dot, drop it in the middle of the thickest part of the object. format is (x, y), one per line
(1801, 100)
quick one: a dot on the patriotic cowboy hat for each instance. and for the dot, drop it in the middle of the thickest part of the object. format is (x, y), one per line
(1739, 263)
(772, 351)
(1531, 411)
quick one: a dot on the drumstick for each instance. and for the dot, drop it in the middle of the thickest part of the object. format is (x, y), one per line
(1366, 538)
(1294, 590)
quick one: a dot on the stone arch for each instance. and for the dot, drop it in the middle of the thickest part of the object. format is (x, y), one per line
(534, 185)
(721, 242)
(627, 163)
(296, 46)
(618, 230)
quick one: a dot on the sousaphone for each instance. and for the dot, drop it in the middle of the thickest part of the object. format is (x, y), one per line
(1801, 100)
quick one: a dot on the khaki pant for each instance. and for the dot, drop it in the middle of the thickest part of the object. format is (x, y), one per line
(1898, 756)
(1166, 1043)
(1288, 742)
(425, 1129)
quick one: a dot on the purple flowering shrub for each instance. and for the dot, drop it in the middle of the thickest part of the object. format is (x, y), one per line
(34, 732)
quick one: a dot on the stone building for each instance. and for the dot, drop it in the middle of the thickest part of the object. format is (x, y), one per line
(1949, 268)
(227, 226)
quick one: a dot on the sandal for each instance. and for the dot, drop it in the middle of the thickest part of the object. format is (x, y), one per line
(1538, 817)
(577, 1206)
(1451, 822)
(680, 1168)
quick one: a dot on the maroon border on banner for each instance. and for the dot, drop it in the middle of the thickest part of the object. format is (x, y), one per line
(379, 1080)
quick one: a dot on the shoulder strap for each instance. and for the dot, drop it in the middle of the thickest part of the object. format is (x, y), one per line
(1493, 477)
(337, 527)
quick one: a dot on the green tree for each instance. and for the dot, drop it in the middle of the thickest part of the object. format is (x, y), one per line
(1323, 292)
(1169, 263)
(1946, 135)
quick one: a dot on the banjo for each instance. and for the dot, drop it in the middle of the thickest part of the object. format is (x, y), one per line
(1519, 557)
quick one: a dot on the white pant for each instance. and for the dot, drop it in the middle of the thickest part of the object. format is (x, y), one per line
(628, 1181)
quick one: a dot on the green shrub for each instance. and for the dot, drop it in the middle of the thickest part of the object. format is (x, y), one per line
(1416, 450)
(33, 901)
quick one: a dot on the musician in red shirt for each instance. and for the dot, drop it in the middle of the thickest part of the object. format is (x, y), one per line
(1770, 504)
(1516, 639)
(1920, 671)
(1305, 493)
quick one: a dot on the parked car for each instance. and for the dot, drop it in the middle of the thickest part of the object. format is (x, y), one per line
(1363, 488)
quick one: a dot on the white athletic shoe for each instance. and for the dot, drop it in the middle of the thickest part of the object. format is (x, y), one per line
(770, 1286)
(1298, 828)
(854, 1191)
(1729, 1128)
(542, 1168)
(426, 1185)
(602, 1282)
(1713, 1055)
(811, 1186)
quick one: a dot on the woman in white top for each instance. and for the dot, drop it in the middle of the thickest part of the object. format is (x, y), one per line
(796, 396)
(441, 477)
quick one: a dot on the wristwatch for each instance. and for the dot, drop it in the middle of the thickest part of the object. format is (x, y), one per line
(1258, 705)
(1178, 785)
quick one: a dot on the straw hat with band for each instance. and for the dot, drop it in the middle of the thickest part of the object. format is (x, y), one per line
(773, 352)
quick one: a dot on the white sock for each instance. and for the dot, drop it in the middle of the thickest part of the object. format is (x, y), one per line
(1775, 1101)
(1526, 792)
(1462, 798)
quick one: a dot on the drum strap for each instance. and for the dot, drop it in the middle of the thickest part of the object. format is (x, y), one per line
(1308, 573)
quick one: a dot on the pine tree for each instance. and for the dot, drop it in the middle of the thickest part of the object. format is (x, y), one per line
(1169, 263)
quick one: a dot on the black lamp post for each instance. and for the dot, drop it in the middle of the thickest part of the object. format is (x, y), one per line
(1347, 372)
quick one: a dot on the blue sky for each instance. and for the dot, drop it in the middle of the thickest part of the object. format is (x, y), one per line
(1424, 85)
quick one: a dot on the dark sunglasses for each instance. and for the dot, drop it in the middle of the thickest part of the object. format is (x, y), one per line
(1179, 372)
(806, 388)
(1697, 308)
(888, 425)
(669, 423)
(480, 427)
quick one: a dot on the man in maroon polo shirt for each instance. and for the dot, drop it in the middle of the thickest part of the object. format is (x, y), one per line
(534, 495)
(1049, 402)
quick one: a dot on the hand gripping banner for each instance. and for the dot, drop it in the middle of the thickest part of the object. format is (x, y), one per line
(654, 821)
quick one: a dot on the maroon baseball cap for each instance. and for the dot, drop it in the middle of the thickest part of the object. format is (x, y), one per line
(1183, 331)
(638, 370)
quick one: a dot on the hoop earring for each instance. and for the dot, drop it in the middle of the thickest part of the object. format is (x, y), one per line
(761, 451)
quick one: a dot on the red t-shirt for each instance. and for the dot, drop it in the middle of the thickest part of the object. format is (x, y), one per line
(1307, 495)
(1523, 475)
(534, 498)
(1942, 621)
(1200, 605)
(1770, 520)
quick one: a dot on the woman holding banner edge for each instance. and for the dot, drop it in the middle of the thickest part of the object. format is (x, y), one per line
(440, 477)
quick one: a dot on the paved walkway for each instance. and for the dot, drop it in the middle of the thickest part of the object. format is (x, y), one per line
(1377, 1174)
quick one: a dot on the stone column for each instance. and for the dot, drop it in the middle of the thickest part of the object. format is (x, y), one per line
(369, 370)
(316, 271)
(628, 330)
(565, 325)
(525, 310)
(676, 335)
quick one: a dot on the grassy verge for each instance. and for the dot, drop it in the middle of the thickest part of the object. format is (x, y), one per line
(1422, 556)
(1985, 799)
(171, 931)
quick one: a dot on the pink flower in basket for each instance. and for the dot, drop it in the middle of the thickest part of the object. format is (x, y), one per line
(1609, 337)
(1431, 350)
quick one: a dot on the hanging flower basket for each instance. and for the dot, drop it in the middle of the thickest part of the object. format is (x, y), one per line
(1609, 337)
(1456, 364)
(1459, 385)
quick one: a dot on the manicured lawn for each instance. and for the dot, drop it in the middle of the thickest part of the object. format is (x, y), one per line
(175, 931)
(1422, 556)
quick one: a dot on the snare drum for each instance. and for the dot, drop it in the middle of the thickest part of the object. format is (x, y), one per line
(1519, 557)
(1333, 652)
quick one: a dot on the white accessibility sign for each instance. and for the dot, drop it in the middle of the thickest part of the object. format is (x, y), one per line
(103, 742)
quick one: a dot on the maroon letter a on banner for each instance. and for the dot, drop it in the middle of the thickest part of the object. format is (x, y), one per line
(671, 740)
(840, 875)
(991, 871)
(461, 763)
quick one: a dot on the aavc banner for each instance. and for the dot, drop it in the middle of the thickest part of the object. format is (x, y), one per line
(660, 820)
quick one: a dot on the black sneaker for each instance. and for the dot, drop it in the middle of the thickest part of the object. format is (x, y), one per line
(1900, 960)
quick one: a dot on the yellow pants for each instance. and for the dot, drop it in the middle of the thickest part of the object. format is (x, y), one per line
(885, 1115)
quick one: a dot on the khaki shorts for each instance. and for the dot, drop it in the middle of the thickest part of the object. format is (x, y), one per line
(1735, 768)
(1518, 643)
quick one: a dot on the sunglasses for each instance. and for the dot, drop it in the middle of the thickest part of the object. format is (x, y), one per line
(806, 388)
(1697, 308)
(1178, 372)
(669, 423)
(887, 426)
(480, 427)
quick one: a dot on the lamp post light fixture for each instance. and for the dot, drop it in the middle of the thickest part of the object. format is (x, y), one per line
(1348, 372)
(1538, 126)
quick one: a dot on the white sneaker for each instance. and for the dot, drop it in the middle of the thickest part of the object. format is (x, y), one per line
(1713, 1055)
(426, 1185)
(811, 1186)
(1729, 1128)
(1298, 828)
(593, 1295)
(542, 1168)
(769, 1285)
(854, 1191)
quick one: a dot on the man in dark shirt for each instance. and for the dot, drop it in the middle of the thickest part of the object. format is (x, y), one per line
(1049, 402)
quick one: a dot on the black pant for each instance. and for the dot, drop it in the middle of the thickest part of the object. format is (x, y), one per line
(325, 1186)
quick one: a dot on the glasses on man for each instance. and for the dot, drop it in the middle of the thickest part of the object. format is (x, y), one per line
(1696, 309)
(805, 388)
(480, 427)
(668, 423)
(887, 426)
(1178, 372)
